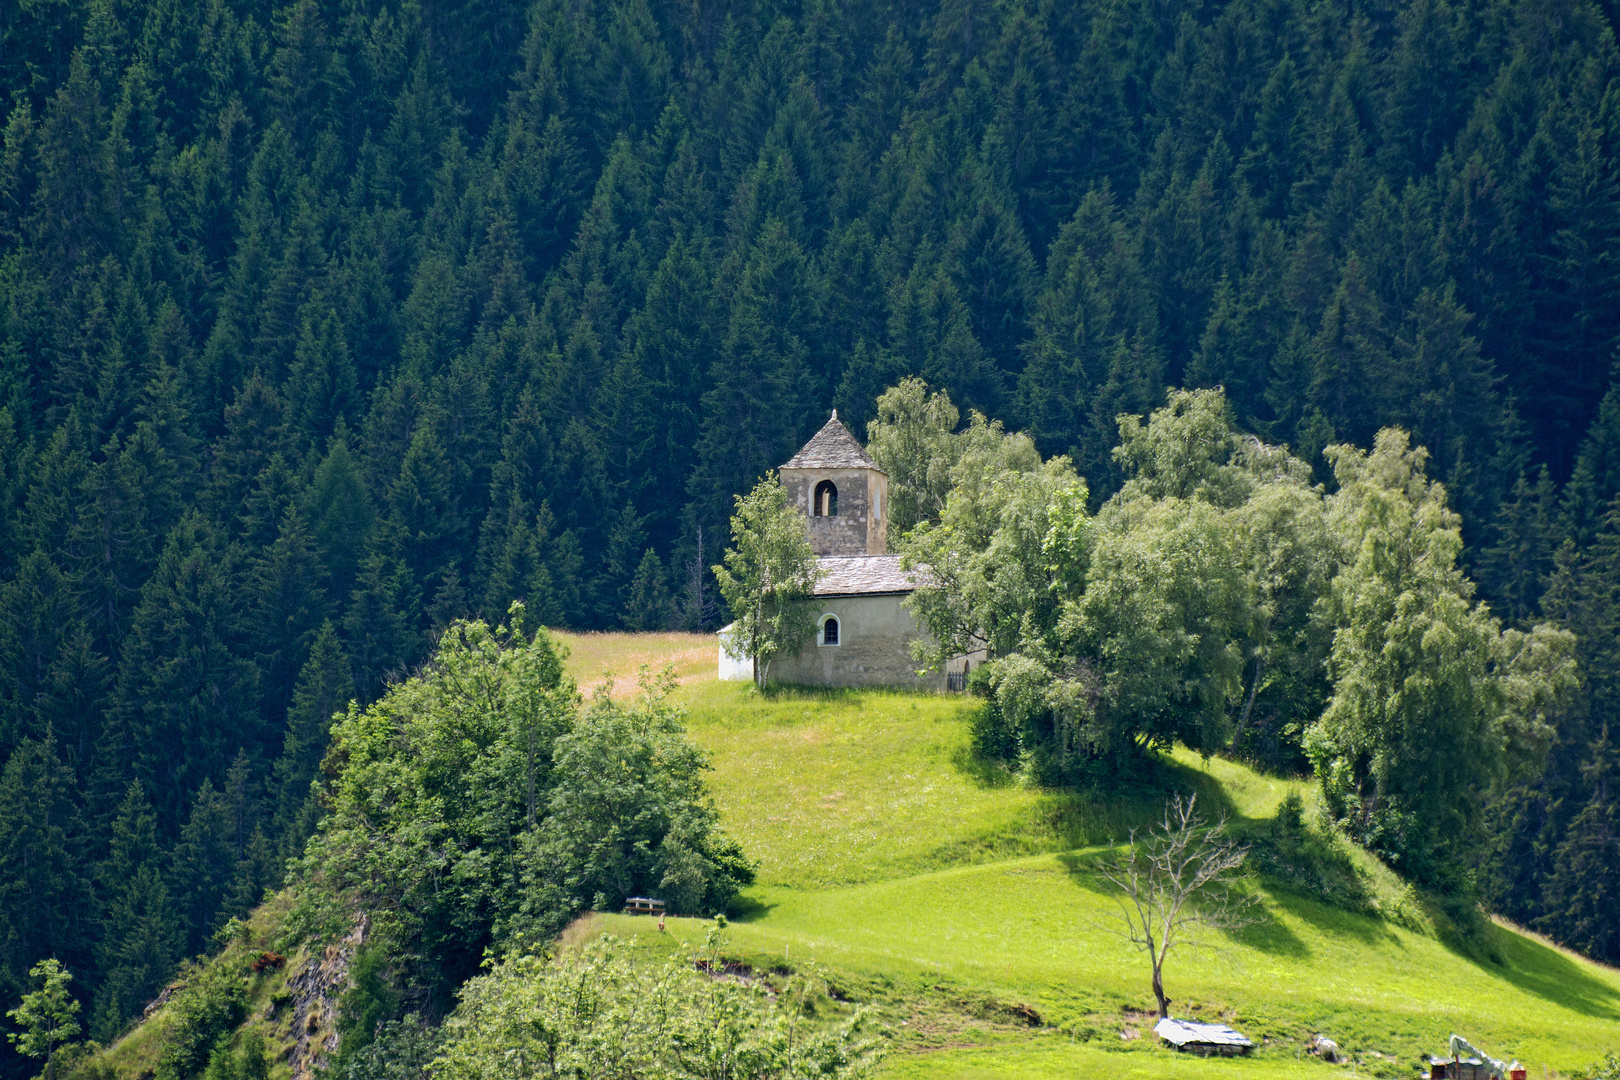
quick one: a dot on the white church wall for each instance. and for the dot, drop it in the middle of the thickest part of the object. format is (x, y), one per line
(874, 647)
(732, 670)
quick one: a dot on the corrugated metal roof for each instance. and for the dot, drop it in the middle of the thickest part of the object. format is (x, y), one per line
(833, 447)
(860, 575)
(1187, 1032)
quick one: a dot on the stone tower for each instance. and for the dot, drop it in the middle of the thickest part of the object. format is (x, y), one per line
(842, 493)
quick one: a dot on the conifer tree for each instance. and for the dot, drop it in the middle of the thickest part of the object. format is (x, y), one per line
(204, 864)
(140, 935)
(325, 686)
(185, 697)
(287, 606)
(340, 513)
(646, 598)
(323, 387)
(1584, 887)
(379, 628)
(42, 901)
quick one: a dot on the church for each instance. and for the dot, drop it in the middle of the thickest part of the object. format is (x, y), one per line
(863, 630)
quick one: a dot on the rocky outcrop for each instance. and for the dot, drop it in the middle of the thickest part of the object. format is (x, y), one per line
(315, 989)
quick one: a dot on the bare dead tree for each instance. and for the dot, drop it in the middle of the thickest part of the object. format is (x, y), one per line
(1175, 882)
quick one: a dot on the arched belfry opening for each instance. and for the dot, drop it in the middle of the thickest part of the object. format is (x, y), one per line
(826, 499)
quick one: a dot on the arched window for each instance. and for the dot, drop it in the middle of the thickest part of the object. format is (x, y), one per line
(829, 630)
(826, 502)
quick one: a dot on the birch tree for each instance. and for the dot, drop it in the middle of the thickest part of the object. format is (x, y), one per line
(768, 578)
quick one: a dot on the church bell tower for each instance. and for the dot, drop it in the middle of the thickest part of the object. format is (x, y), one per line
(842, 493)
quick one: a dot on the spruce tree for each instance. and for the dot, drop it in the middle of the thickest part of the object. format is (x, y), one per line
(141, 934)
(1584, 889)
(340, 513)
(204, 864)
(184, 695)
(288, 603)
(325, 686)
(646, 598)
(42, 894)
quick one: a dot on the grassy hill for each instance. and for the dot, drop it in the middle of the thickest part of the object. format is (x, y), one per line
(961, 905)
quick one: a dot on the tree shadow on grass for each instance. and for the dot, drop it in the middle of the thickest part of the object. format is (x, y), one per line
(1263, 933)
(1541, 970)
(745, 908)
(1330, 919)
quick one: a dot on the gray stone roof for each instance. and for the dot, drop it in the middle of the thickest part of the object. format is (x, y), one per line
(863, 575)
(833, 447)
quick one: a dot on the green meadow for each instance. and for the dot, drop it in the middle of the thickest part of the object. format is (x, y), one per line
(960, 905)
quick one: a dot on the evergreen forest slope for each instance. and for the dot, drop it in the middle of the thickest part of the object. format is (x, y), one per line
(325, 323)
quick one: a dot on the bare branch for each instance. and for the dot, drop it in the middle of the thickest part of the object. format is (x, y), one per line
(1175, 882)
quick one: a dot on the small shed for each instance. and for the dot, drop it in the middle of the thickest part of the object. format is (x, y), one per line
(1468, 1068)
(1202, 1039)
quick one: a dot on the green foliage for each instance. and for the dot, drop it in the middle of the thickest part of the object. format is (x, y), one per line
(1168, 616)
(598, 1011)
(767, 579)
(402, 1050)
(1429, 698)
(247, 1063)
(46, 1016)
(395, 316)
(485, 770)
(204, 1012)
(912, 439)
(370, 1002)
(628, 815)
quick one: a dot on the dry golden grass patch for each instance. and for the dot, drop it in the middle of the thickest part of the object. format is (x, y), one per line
(595, 658)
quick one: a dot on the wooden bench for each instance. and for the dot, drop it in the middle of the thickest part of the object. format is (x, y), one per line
(641, 905)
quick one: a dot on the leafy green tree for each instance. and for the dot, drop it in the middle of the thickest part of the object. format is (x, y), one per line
(47, 1016)
(627, 816)
(598, 1010)
(462, 776)
(912, 440)
(1418, 713)
(987, 581)
(768, 578)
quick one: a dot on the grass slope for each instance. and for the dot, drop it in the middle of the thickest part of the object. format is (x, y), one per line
(959, 903)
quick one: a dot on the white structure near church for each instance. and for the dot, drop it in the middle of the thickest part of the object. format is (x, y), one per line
(863, 631)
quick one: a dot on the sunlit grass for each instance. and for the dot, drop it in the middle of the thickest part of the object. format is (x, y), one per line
(593, 658)
(927, 883)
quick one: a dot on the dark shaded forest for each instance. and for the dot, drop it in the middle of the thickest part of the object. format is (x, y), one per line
(325, 323)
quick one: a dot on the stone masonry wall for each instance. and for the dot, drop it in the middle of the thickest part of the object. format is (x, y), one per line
(852, 531)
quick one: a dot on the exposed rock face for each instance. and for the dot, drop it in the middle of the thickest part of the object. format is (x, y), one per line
(315, 989)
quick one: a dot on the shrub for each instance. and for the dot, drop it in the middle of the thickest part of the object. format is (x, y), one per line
(211, 1005)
